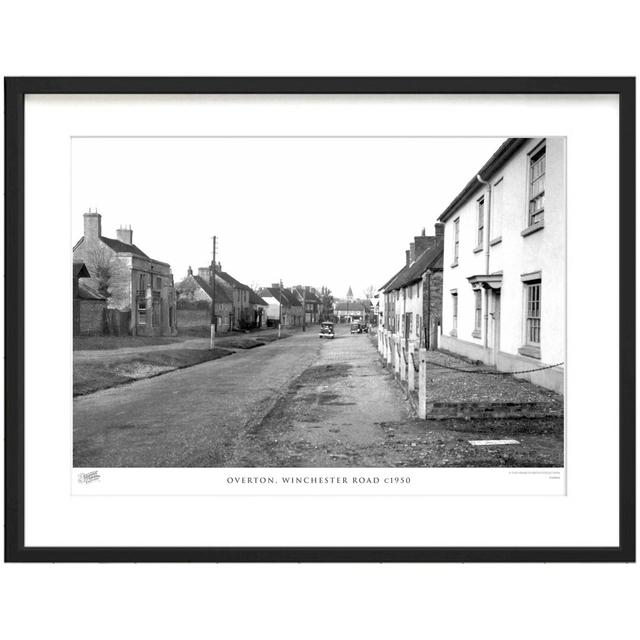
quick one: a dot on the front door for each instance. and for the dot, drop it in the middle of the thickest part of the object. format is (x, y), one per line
(495, 325)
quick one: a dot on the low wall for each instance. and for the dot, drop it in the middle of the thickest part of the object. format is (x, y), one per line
(89, 317)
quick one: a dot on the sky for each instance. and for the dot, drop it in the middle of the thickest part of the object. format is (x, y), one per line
(327, 211)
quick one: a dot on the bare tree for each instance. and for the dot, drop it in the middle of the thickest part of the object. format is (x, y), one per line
(109, 274)
(370, 291)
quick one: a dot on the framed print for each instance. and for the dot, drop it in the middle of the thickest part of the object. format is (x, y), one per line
(320, 319)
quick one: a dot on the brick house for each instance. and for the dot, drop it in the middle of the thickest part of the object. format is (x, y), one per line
(413, 297)
(312, 303)
(88, 305)
(134, 284)
(505, 251)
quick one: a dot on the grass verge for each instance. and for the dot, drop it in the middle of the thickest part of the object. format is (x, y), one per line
(112, 371)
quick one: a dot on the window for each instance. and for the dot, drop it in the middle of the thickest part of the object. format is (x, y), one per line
(454, 306)
(532, 329)
(158, 283)
(456, 240)
(496, 211)
(480, 236)
(142, 283)
(477, 297)
(142, 311)
(536, 186)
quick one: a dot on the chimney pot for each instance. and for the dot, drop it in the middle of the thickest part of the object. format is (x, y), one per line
(92, 225)
(125, 234)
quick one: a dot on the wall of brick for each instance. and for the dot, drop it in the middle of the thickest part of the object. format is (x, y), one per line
(89, 317)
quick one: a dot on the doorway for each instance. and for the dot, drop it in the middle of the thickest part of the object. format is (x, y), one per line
(495, 325)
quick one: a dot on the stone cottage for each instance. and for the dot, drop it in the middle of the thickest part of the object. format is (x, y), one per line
(135, 285)
(194, 303)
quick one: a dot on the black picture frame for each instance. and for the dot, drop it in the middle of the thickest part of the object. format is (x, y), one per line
(15, 91)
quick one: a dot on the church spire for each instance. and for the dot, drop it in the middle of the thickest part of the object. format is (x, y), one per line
(349, 294)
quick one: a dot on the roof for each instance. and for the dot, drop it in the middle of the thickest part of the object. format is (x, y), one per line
(254, 298)
(232, 281)
(221, 295)
(431, 258)
(86, 292)
(292, 298)
(308, 295)
(283, 296)
(274, 292)
(350, 306)
(391, 279)
(123, 247)
(504, 152)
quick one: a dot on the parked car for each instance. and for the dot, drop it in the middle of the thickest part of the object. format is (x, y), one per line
(326, 330)
(356, 327)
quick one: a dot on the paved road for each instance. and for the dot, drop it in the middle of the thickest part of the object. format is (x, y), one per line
(325, 394)
(299, 402)
(187, 417)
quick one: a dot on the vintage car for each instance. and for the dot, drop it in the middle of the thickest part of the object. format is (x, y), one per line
(326, 330)
(356, 327)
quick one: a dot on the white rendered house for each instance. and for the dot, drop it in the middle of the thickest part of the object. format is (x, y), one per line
(504, 262)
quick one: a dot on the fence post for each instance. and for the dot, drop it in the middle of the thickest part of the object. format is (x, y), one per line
(397, 357)
(404, 356)
(422, 384)
(411, 372)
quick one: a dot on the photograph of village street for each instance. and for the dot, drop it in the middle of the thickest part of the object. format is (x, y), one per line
(318, 302)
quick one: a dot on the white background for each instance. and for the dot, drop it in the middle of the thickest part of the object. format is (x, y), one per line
(331, 38)
(586, 516)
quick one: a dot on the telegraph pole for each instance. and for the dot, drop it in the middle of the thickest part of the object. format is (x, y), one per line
(280, 310)
(213, 297)
(304, 308)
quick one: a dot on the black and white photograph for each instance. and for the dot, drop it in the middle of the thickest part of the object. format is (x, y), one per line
(318, 301)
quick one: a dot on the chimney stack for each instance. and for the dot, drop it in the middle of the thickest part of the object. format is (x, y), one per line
(412, 251)
(408, 257)
(439, 229)
(125, 234)
(92, 225)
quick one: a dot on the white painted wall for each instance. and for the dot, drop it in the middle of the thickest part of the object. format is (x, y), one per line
(544, 251)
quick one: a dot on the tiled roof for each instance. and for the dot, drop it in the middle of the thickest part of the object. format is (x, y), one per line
(429, 259)
(292, 298)
(232, 281)
(221, 295)
(283, 296)
(254, 298)
(350, 306)
(273, 292)
(123, 247)
(309, 296)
